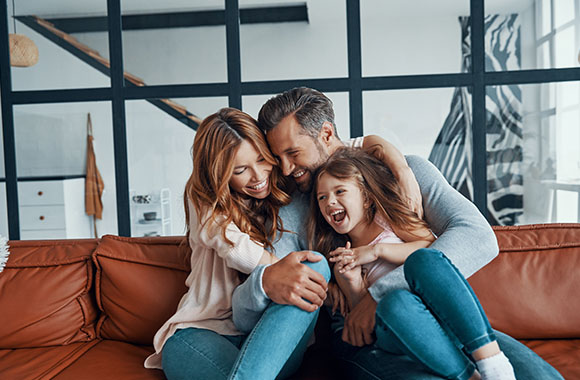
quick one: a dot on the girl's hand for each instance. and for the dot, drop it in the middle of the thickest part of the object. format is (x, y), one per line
(347, 258)
(337, 299)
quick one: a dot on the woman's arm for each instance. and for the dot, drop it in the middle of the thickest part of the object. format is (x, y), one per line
(267, 258)
(395, 161)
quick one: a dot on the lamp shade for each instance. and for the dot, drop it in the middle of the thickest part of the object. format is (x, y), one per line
(23, 51)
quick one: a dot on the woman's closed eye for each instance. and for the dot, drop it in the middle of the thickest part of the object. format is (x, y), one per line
(239, 171)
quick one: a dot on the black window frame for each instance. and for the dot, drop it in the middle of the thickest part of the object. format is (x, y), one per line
(355, 84)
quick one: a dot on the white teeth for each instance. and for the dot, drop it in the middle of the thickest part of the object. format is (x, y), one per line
(336, 212)
(299, 174)
(260, 186)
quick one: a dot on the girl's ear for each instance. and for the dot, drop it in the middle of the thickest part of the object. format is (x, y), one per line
(368, 202)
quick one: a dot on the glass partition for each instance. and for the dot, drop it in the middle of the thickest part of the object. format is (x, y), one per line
(69, 55)
(401, 37)
(173, 42)
(51, 160)
(160, 135)
(295, 50)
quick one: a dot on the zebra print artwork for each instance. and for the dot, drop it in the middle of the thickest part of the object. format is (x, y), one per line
(453, 153)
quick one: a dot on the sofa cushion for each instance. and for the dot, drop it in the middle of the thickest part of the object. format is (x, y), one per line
(139, 282)
(562, 354)
(530, 290)
(40, 363)
(112, 360)
(46, 299)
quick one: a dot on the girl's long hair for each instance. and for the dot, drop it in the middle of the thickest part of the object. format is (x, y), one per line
(216, 143)
(378, 185)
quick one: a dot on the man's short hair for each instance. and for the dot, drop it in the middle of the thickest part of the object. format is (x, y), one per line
(310, 107)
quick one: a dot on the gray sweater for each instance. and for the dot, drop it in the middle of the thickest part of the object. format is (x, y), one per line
(462, 233)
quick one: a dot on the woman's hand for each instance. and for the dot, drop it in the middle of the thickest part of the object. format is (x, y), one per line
(337, 299)
(346, 258)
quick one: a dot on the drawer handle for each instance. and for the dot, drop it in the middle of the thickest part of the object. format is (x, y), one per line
(40, 193)
(41, 217)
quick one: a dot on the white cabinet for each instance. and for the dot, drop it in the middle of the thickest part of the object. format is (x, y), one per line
(53, 209)
(151, 213)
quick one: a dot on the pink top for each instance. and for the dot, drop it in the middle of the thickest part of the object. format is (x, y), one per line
(380, 267)
(213, 278)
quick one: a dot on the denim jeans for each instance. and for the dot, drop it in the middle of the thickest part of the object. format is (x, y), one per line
(274, 348)
(438, 323)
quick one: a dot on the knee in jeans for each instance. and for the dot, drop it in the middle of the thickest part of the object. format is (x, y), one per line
(394, 307)
(321, 267)
(421, 263)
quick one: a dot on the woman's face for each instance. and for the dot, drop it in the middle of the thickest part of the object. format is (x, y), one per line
(251, 174)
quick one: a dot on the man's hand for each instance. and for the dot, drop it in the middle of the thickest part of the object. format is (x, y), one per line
(410, 190)
(289, 282)
(360, 322)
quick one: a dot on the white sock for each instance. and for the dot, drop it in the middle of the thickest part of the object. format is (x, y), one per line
(496, 367)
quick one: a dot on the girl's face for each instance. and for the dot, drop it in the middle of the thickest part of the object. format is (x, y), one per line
(342, 203)
(251, 174)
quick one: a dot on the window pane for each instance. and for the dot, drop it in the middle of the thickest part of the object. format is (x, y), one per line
(173, 42)
(543, 170)
(252, 105)
(51, 160)
(159, 141)
(544, 17)
(563, 12)
(68, 57)
(411, 37)
(544, 56)
(301, 49)
(410, 119)
(564, 46)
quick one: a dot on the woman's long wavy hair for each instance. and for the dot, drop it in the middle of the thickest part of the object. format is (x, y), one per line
(378, 185)
(216, 143)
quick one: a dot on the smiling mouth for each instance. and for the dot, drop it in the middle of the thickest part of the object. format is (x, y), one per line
(259, 186)
(338, 215)
(299, 173)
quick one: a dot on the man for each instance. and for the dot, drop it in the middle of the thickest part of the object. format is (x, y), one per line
(299, 126)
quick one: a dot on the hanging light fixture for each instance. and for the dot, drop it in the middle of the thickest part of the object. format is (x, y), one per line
(23, 51)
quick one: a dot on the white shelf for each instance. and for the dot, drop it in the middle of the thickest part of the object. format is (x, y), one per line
(160, 203)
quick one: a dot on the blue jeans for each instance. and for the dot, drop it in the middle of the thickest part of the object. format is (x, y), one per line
(273, 349)
(438, 323)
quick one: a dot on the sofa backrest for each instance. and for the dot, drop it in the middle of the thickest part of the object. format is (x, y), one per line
(139, 283)
(530, 291)
(45, 294)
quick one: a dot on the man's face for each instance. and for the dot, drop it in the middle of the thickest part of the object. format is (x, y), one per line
(299, 154)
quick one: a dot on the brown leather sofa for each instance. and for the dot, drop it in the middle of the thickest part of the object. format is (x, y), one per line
(88, 309)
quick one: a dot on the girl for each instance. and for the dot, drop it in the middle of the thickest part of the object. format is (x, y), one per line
(231, 201)
(356, 204)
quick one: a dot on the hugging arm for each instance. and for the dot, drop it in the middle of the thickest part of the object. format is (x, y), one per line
(395, 161)
(462, 232)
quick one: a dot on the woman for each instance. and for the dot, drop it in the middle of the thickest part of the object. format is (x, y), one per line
(231, 201)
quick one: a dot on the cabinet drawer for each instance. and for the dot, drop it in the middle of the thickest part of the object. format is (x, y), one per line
(42, 218)
(42, 234)
(40, 193)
